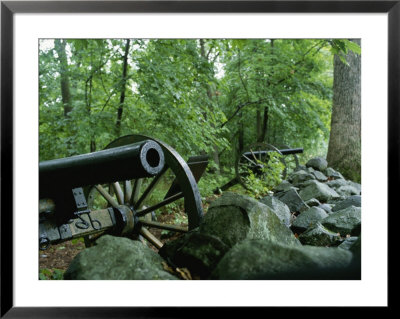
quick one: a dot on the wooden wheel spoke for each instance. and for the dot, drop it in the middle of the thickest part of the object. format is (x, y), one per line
(160, 204)
(251, 161)
(110, 189)
(254, 156)
(181, 229)
(128, 191)
(136, 190)
(149, 188)
(151, 238)
(107, 196)
(118, 192)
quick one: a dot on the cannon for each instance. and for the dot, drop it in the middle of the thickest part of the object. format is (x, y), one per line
(116, 191)
(255, 157)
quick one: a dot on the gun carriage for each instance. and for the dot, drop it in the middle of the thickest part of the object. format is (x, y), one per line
(124, 176)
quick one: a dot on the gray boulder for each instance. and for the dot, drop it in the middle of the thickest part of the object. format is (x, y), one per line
(326, 207)
(318, 163)
(234, 217)
(310, 203)
(357, 186)
(117, 258)
(299, 177)
(307, 183)
(292, 199)
(279, 208)
(346, 221)
(356, 248)
(198, 252)
(347, 190)
(334, 201)
(313, 202)
(318, 190)
(263, 259)
(320, 176)
(336, 183)
(331, 173)
(320, 236)
(348, 242)
(308, 218)
(284, 186)
(354, 200)
(300, 167)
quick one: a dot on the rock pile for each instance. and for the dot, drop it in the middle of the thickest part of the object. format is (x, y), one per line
(310, 228)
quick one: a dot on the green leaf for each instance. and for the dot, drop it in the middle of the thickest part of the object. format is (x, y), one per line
(353, 47)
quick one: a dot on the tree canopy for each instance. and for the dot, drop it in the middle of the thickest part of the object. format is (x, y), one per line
(200, 96)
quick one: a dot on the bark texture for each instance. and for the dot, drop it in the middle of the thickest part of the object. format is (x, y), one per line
(344, 150)
(59, 46)
(123, 88)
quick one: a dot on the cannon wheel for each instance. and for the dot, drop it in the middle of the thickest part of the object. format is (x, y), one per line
(291, 161)
(136, 193)
(244, 162)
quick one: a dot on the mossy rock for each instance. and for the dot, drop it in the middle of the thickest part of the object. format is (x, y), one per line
(318, 190)
(346, 221)
(263, 259)
(198, 252)
(117, 258)
(234, 217)
(320, 236)
(308, 218)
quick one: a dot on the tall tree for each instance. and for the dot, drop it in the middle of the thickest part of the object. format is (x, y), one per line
(344, 150)
(123, 86)
(59, 46)
(207, 68)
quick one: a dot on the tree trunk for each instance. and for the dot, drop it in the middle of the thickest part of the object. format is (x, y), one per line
(123, 87)
(241, 135)
(262, 125)
(59, 46)
(344, 150)
(210, 93)
(258, 124)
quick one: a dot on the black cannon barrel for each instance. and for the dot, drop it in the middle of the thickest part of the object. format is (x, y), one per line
(143, 159)
(286, 151)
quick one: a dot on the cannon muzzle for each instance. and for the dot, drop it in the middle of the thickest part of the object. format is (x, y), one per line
(138, 160)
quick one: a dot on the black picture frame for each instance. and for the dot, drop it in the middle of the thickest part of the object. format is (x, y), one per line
(9, 8)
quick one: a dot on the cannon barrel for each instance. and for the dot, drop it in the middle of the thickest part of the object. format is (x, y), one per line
(286, 151)
(138, 160)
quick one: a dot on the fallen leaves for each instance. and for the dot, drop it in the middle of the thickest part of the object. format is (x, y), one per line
(182, 273)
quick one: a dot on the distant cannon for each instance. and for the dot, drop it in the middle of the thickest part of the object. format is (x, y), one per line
(255, 157)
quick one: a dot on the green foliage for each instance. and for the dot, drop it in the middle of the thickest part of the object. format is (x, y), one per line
(210, 182)
(51, 274)
(76, 241)
(198, 95)
(290, 78)
(340, 47)
(261, 182)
